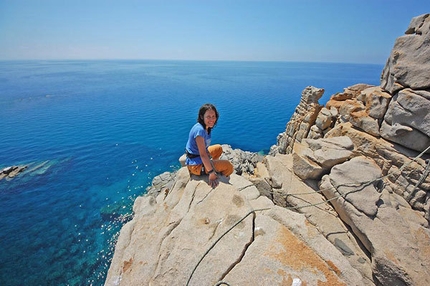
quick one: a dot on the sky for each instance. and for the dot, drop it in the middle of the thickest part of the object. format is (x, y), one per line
(348, 31)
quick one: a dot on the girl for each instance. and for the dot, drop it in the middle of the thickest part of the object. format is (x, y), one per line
(201, 157)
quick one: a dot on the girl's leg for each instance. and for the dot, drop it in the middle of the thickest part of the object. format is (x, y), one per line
(195, 169)
(224, 167)
(215, 151)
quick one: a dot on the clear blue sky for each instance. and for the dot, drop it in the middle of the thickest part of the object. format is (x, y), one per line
(354, 31)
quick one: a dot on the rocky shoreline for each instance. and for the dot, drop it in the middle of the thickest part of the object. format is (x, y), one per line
(343, 198)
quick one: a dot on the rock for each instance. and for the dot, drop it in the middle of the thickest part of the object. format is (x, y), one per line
(324, 119)
(409, 61)
(307, 199)
(11, 172)
(356, 187)
(231, 240)
(301, 121)
(8, 170)
(388, 126)
(406, 77)
(407, 121)
(182, 159)
(315, 157)
(161, 183)
(376, 101)
(401, 260)
(315, 133)
(349, 93)
(304, 164)
(363, 105)
(401, 168)
(244, 162)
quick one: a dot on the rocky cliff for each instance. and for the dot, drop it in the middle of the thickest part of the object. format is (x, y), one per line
(342, 199)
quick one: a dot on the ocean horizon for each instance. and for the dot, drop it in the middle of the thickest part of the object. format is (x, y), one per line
(94, 133)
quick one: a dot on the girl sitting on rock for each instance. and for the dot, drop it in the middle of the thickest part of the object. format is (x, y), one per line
(202, 158)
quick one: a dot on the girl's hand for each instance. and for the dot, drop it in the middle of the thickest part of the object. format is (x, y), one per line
(213, 180)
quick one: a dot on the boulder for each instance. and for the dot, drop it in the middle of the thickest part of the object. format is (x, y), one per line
(314, 157)
(373, 214)
(324, 119)
(376, 101)
(407, 120)
(409, 62)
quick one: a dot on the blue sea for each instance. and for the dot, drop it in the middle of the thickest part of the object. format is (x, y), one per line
(95, 133)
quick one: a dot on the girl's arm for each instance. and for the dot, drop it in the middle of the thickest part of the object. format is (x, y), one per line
(206, 161)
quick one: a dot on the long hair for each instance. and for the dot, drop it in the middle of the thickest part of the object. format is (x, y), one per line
(202, 111)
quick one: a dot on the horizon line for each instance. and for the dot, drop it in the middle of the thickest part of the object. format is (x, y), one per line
(190, 60)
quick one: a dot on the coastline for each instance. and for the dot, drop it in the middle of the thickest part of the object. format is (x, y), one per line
(318, 155)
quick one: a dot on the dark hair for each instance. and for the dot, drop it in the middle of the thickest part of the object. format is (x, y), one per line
(202, 111)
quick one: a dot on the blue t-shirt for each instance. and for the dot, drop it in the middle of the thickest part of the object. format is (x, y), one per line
(191, 147)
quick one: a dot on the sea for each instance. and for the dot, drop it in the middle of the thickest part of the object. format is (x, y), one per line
(93, 134)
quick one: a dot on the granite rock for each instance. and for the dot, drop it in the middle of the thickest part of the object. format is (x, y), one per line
(195, 235)
(343, 198)
(409, 61)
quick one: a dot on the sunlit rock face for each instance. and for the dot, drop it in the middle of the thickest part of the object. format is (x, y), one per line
(343, 198)
(406, 76)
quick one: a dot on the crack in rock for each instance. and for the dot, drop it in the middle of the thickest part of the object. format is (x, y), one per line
(246, 246)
